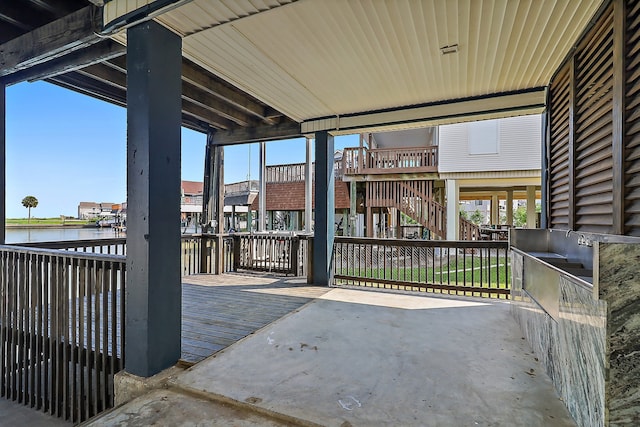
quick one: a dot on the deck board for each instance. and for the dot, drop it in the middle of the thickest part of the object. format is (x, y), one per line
(219, 310)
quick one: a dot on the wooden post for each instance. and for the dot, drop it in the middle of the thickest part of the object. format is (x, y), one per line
(153, 290)
(325, 210)
(3, 161)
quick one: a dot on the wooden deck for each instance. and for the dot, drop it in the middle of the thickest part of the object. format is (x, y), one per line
(220, 310)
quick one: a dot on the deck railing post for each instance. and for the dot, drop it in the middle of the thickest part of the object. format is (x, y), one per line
(310, 259)
(293, 256)
(205, 254)
(237, 245)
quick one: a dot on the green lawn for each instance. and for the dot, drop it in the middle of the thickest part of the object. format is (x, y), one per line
(47, 221)
(489, 271)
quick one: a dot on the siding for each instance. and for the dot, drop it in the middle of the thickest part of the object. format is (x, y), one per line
(519, 147)
(289, 196)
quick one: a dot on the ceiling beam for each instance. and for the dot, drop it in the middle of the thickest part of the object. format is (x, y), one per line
(51, 41)
(20, 16)
(199, 96)
(200, 77)
(56, 7)
(208, 101)
(498, 105)
(99, 90)
(285, 130)
(118, 79)
(88, 86)
(94, 54)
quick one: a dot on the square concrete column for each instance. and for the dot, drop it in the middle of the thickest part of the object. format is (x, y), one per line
(531, 206)
(3, 162)
(495, 209)
(453, 209)
(509, 207)
(325, 210)
(153, 286)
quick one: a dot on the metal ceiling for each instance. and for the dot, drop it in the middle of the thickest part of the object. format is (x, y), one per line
(258, 69)
(314, 58)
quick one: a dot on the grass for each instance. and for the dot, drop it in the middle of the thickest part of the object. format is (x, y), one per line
(460, 271)
(46, 221)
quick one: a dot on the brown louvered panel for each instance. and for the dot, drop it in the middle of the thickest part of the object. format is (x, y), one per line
(559, 150)
(594, 130)
(632, 117)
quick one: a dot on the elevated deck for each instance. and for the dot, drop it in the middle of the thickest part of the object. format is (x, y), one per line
(218, 310)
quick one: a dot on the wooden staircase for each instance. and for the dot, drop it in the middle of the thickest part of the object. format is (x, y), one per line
(415, 199)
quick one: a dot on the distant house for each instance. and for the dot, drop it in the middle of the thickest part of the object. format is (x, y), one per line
(190, 201)
(92, 210)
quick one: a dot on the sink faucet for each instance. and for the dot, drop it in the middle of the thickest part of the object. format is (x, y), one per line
(568, 232)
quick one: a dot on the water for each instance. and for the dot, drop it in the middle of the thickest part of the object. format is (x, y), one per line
(26, 235)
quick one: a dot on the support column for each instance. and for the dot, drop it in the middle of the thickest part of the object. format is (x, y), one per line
(325, 211)
(510, 207)
(453, 209)
(3, 163)
(353, 208)
(495, 209)
(308, 190)
(531, 206)
(153, 288)
(262, 195)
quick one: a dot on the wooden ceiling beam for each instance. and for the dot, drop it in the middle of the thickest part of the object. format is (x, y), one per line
(284, 130)
(96, 89)
(106, 75)
(199, 96)
(94, 54)
(56, 8)
(88, 86)
(110, 76)
(210, 102)
(51, 41)
(202, 79)
(16, 14)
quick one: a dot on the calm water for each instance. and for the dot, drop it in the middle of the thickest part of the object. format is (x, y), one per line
(22, 235)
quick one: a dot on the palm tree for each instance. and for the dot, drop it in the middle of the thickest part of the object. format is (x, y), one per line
(29, 202)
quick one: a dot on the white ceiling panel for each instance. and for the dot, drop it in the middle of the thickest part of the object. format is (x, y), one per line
(328, 58)
(199, 15)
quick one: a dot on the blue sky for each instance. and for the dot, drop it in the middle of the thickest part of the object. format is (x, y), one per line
(64, 148)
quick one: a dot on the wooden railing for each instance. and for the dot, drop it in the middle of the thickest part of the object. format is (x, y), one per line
(196, 250)
(286, 173)
(469, 230)
(61, 329)
(113, 246)
(275, 253)
(242, 187)
(477, 268)
(390, 160)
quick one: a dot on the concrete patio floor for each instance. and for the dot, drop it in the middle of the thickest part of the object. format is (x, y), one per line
(365, 358)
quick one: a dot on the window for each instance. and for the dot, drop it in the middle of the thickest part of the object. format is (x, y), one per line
(483, 137)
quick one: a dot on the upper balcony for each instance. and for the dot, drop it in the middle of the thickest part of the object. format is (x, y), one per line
(364, 161)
